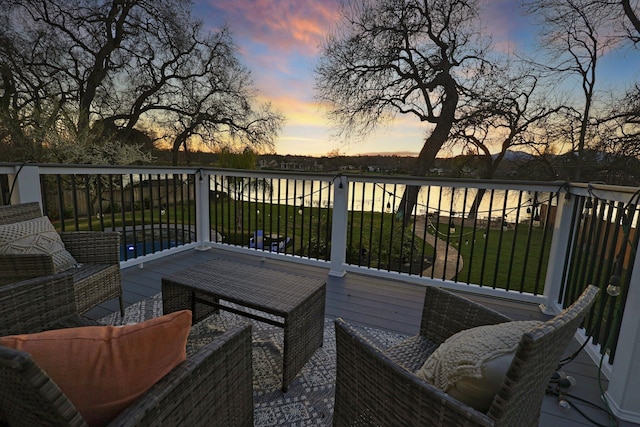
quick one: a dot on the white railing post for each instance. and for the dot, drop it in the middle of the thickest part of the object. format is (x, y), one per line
(560, 245)
(25, 185)
(339, 226)
(202, 210)
(623, 393)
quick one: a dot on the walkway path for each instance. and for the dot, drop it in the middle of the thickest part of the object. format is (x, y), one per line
(442, 250)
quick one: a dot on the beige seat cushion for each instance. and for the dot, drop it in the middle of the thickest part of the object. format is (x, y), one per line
(104, 369)
(471, 365)
(35, 236)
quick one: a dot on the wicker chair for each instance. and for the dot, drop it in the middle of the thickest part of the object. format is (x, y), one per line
(96, 281)
(212, 387)
(380, 388)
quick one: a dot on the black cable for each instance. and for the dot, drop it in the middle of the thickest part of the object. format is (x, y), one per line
(575, 354)
(561, 395)
(529, 203)
(15, 179)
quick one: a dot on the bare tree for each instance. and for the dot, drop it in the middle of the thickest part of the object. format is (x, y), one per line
(401, 57)
(619, 138)
(632, 12)
(575, 35)
(111, 65)
(500, 120)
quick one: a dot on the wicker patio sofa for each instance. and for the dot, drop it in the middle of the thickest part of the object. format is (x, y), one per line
(381, 388)
(97, 279)
(212, 387)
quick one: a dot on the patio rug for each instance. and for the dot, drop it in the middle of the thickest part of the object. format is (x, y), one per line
(309, 400)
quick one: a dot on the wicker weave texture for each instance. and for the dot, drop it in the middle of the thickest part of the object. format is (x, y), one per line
(21, 212)
(519, 400)
(212, 387)
(298, 300)
(97, 280)
(39, 304)
(29, 397)
(376, 388)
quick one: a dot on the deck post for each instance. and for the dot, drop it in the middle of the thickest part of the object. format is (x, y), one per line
(560, 246)
(339, 226)
(202, 210)
(623, 393)
(25, 185)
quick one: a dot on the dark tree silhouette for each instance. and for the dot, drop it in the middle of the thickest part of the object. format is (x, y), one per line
(401, 57)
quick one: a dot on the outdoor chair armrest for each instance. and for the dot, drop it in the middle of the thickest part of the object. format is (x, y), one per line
(38, 304)
(93, 247)
(17, 267)
(372, 390)
(445, 314)
(213, 387)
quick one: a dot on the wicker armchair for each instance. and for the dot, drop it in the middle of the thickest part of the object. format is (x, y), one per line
(212, 387)
(96, 281)
(380, 388)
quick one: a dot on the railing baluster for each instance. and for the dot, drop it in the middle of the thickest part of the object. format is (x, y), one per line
(543, 254)
(474, 229)
(450, 227)
(191, 195)
(301, 212)
(310, 215)
(99, 199)
(286, 214)
(143, 243)
(329, 222)
(371, 223)
(425, 232)
(87, 196)
(461, 234)
(134, 225)
(112, 211)
(125, 240)
(392, 230)
(279, 198)
(174, 181)
(361, 249)
(501, 222)
(514, 240)
(487, 235)
(74, 194)
(152, 221)
(44, 193)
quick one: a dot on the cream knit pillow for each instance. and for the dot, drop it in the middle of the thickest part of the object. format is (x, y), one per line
(35, 236)
(471, 365)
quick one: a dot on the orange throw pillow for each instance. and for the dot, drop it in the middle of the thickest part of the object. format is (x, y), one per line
(104, 369)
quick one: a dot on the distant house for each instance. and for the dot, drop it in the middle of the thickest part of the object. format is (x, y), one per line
(304, 164)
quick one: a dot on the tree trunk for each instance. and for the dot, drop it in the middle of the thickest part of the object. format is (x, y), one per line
(430, 149)
(180, 140)
(114, 31)
(489, 170)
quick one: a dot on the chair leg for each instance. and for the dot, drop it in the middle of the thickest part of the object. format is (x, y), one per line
(121, 299)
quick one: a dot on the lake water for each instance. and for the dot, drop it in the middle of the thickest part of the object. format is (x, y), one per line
(446, 201)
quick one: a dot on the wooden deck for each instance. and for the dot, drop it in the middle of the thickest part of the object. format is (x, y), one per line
(380, 303)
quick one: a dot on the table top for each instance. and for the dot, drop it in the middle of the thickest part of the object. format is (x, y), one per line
(262, 288)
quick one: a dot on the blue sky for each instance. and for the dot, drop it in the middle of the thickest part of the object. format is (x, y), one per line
(279, 42)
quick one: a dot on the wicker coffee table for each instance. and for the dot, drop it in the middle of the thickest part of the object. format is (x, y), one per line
(297, 300)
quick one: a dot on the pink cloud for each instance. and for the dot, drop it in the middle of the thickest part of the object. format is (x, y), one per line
(286, 25)
(507, 24)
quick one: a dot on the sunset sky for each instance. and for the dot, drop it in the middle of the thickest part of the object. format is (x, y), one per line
(279, 43)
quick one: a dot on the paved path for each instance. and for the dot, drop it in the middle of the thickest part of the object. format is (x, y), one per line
(442, 251)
